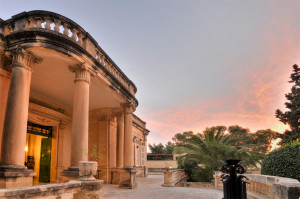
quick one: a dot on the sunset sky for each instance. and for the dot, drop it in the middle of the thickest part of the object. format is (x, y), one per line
(196, 64)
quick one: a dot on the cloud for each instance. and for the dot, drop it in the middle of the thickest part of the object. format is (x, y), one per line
(259, 89)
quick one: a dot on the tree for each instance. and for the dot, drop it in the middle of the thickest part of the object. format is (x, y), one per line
(291, 116)
(208, 150)
(182, 138)
(169, 147)
(260, 141)
(161, 149)
(241, 135)
(157, 149)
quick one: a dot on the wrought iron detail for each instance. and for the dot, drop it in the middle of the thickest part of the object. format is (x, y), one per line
(234, 186)
(39, 129)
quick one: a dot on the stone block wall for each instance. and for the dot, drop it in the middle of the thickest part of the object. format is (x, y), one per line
(69, 190)
(269, 187)
(172, 177)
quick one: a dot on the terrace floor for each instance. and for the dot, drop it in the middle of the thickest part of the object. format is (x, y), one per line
(150, 188)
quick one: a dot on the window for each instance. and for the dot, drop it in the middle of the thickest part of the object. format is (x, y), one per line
(137, 156)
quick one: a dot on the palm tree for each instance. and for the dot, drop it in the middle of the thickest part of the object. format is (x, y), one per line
(209, 149)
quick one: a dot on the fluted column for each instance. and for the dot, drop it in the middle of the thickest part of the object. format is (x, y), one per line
(128, 150)
(120, 140)
(79, 141)
(15, 123)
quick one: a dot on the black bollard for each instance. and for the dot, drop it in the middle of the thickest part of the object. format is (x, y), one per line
(234, 186)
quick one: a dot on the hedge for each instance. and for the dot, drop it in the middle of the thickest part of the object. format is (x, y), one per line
(284, 162)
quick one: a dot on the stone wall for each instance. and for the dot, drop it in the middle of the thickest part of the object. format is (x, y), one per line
(68, 190)
(161, 164)
(269, 187)
(172, 177)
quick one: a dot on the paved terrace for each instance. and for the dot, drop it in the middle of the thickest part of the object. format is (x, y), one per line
(150, 188)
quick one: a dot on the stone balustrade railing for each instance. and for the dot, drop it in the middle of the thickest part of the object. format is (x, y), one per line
(269, 187)
(58, 24)
(172, 177)
(68, 190)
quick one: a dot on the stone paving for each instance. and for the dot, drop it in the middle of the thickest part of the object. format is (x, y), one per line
(150, 188)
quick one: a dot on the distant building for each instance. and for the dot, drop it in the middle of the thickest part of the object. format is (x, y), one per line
(64, 100)
(161, 162)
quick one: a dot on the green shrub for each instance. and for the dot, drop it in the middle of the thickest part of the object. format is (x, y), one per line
(201, 175)
(284, 162)
(195, 173)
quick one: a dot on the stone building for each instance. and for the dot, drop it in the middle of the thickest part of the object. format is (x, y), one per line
(64, 100)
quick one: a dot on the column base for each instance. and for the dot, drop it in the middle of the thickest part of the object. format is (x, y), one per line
(145, 171)
(12, 176)
(115, 175)
(72, 173)
(127, 178)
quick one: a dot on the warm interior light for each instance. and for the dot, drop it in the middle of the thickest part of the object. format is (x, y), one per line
(26, 148)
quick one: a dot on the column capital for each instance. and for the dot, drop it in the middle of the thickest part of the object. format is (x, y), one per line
(82, 72)
(120, 117)
(22, 58)
(129, 108)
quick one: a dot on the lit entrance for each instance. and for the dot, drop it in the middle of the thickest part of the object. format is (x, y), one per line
(38, 151)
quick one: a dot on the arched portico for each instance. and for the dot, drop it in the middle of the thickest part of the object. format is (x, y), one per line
(51, 62)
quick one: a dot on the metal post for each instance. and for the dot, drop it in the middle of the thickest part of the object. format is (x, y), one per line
(234, 187)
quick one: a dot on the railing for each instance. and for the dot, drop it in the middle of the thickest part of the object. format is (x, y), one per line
(58, 24)
(172, 177)
(269, 187)
(160, 157)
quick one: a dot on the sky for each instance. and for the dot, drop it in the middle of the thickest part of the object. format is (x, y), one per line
(196, 63)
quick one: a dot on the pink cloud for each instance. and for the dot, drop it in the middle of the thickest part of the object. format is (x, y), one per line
(259, 91)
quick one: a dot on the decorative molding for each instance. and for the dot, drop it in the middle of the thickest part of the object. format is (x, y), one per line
(22, 57)
(129, 108)
(46, 116)
(137, 140)
(82, 72)
(26, 29)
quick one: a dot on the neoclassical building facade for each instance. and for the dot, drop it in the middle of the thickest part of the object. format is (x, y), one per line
(64, 100)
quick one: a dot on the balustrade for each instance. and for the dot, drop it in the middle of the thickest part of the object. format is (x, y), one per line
(64, 26)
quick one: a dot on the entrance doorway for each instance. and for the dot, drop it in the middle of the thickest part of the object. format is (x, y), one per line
(38, 151)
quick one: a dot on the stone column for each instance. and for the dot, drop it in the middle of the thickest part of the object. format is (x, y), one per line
(128, 150)
(16, 115)
(15, 122)
(146, 132)
(79, 148)
(112, 143)
(5, 77)
(120, 140)
(80, 121)
(127, 175)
